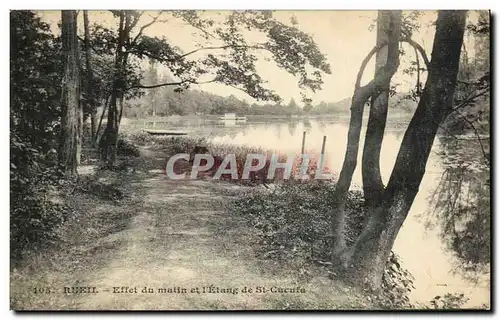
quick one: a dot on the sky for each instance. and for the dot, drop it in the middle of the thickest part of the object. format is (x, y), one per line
(343, 36)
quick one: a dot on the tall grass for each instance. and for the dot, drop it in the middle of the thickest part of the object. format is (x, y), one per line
(176, 145)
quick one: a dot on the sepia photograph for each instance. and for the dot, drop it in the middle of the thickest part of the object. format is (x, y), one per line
(250, 160)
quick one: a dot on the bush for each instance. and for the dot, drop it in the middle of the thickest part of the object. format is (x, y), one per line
(182, 144)
(397, 284)
(102, 190)
(139, 138)
(127, 148)
(34, 216)
(294, 219)
(449, 301)
(293, 223)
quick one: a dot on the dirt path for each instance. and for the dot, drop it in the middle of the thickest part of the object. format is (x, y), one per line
(179, 243)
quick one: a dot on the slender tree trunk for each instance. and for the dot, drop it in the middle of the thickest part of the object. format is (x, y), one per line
(368, 257)
(121, 110)
(104, 108)
(90, 80)
(93, 125)
(79, 139)
(110, 135)
(152, 78)
(373, 187)
(360, 97)
(109, 139)
(70, 100)
(108, 142)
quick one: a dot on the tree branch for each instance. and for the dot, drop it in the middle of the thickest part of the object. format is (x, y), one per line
(170, 84)
(93, 49)
(473, 83)
(379, 47)
(471, 124)
(365, 62)
(207, 34)
(134, 23)
(236, 87)
(361, 94)
(471, 99)
(258, 46)
(151, 56)
(144, 27)
(418, 70)
(419, 48)
(194, 25)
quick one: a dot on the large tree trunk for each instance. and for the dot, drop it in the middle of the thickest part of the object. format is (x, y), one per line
(373, 186)
(90, 80)
(361, 95)
(70, 100)
(368, 257)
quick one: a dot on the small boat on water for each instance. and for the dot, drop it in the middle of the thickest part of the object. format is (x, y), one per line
(159, 132)
(232, 117)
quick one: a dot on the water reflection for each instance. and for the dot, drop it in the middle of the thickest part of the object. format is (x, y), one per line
(307, 125)
(292, 127)
(461, 207)
(322, 125)
(277, 130)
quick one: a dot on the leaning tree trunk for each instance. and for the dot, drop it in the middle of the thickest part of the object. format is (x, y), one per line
(108, 142)
(70, 96)
(373, 186)
(368, 257)
(361, 95)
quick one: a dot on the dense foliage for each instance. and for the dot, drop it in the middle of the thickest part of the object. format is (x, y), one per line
(34, 214)
(35, 78)
(35, 71)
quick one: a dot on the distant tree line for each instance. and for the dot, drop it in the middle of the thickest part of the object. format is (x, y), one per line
(167, 101)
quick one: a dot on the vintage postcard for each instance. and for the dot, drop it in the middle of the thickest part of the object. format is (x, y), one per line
(250, 160)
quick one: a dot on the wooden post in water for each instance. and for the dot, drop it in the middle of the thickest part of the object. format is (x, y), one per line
(303, 142)
(323, 146)
(322, 155)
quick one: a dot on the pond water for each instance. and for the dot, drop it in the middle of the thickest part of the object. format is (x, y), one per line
(429, 248)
